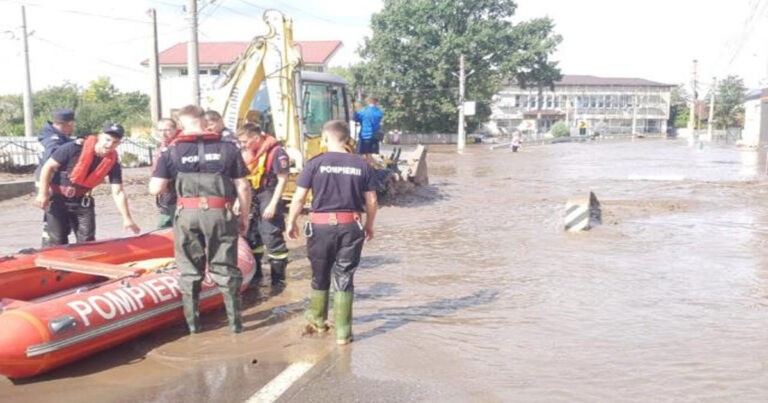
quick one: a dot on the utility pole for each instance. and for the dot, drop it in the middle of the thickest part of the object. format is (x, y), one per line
(694, 96)
(461, 141)
(634, 113)
(155, 104)
(193, 68)
(711, 108)
(28, 123)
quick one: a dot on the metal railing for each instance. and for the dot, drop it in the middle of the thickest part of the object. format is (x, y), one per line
(23, 151)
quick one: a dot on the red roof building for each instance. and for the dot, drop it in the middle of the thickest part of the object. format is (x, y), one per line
(314, 54)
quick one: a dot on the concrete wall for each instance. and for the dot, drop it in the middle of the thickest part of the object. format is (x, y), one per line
(10, 190)
(751, 135)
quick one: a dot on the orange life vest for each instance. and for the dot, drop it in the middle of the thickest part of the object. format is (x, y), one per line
(79, 174)
(259, 158)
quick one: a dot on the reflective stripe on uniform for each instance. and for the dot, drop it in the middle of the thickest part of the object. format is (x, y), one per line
(283, 255)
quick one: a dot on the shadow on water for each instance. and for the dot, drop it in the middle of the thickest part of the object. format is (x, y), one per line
(397, 317)
(376, 291)
(374, 261)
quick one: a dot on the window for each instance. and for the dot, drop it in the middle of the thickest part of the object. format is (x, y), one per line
(322, 102)
(184, 72)
(215, 72)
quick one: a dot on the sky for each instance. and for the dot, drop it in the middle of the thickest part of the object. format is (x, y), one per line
(80, 40)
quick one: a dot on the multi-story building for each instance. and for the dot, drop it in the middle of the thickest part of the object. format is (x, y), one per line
(597, 104)
(217, 57)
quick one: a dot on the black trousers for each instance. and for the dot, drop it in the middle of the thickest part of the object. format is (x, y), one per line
(266, 233)
(66, 215)
(334, 254)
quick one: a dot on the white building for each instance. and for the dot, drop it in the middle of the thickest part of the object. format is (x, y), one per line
(215, 57)
(598, 104)
(755, 130)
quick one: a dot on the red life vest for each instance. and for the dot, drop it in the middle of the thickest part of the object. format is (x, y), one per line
(259, 158)
(193, 137)
(79, 174)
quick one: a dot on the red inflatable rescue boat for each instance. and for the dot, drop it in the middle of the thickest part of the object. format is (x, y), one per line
(60, 304)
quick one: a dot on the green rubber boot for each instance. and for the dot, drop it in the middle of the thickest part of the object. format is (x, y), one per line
(342, 310)
(317, 313)
(190, 305)
(233, 307)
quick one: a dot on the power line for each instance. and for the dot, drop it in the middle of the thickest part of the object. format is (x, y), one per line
(58, 45)
(79, 12)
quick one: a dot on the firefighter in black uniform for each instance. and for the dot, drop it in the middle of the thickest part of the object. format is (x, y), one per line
(343, 187)
(66, 181)
(267, 164)
(210, 175)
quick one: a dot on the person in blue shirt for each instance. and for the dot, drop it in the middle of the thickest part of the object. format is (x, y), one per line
(370, 133)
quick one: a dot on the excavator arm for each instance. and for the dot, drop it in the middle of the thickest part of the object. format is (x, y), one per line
(272, 61)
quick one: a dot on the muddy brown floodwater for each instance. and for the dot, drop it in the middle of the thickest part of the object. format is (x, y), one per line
(472, 292)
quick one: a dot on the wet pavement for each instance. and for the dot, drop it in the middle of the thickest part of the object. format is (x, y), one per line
(473, 292)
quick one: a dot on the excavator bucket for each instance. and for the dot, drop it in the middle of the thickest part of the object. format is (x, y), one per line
(417, 167)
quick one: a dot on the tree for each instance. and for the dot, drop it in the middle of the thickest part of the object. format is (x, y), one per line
(560, 129)
(11, 115)
(679, 108)
(411, 60)
(94, 105)
(729, 99)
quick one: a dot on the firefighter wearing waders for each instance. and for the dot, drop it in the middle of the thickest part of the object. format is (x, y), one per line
(267, 164)
(210, 175)
(66, 181)
(343, 187)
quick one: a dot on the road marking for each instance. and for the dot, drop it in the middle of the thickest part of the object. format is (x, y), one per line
(276, 387)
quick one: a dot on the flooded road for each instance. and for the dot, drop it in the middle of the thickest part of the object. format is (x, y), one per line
(473, 292)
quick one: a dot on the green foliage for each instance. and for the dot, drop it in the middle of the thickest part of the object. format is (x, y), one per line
(129, 159)
(679, 109)
(411, 59)
(559, 129)
(729, 98)
(94, 105)
(11, 115)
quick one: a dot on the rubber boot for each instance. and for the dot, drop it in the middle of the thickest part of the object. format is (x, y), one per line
(342, 310)
(277, 273)
(233, 307)
(317, 313)
(258, 274)
(191, 312)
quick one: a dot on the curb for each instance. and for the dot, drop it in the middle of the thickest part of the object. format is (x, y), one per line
(9, 190)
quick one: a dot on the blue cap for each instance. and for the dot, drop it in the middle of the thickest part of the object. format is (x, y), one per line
(114, 129)
(63, 115)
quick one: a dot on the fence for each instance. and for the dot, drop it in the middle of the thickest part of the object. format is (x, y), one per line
(22, 151)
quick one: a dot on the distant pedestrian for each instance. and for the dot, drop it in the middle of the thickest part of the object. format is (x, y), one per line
(336, 229)
(67, 179)
(516, 141)
(370, 133)
(165, 132)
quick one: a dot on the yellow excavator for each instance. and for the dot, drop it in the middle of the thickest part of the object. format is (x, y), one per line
(266, 86)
